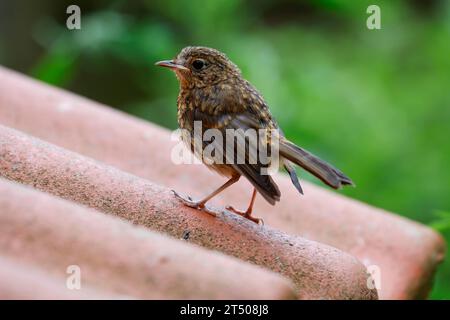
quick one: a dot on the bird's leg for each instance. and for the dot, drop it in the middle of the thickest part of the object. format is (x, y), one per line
(248, 213)
(200, 204)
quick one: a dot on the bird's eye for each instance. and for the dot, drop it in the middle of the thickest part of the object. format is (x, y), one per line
(198, 64)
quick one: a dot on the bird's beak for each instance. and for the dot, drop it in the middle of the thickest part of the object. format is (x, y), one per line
(171, 64)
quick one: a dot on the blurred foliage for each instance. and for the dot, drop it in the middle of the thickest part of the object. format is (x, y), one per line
(375, 103)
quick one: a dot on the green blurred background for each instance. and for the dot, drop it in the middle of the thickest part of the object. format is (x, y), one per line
(375, 103)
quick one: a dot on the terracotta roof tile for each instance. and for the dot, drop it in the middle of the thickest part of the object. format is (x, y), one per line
(318, 271)
(113, 256)
(405, 252)
(19, 281)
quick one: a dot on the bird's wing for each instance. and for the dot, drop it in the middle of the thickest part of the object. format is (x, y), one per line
(253, 148)
(244, 146)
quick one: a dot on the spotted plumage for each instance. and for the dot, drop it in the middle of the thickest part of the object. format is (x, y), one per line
(213, 91)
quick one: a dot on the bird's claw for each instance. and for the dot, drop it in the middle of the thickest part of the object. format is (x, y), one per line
(180, 197)
(246, 215)
(188, 201)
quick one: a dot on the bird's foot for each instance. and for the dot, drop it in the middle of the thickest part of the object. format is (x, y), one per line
(246, 214)
(199, 205)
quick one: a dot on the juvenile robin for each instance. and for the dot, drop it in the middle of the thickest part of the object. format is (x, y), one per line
(214, 94)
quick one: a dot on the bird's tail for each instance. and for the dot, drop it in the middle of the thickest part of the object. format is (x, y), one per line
(319, 168)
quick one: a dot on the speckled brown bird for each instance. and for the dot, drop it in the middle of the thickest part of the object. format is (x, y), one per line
(213, 91)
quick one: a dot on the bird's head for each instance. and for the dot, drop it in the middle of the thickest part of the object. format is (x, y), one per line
(201, 67)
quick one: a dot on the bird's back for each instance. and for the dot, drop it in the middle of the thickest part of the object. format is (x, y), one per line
(229, 105)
